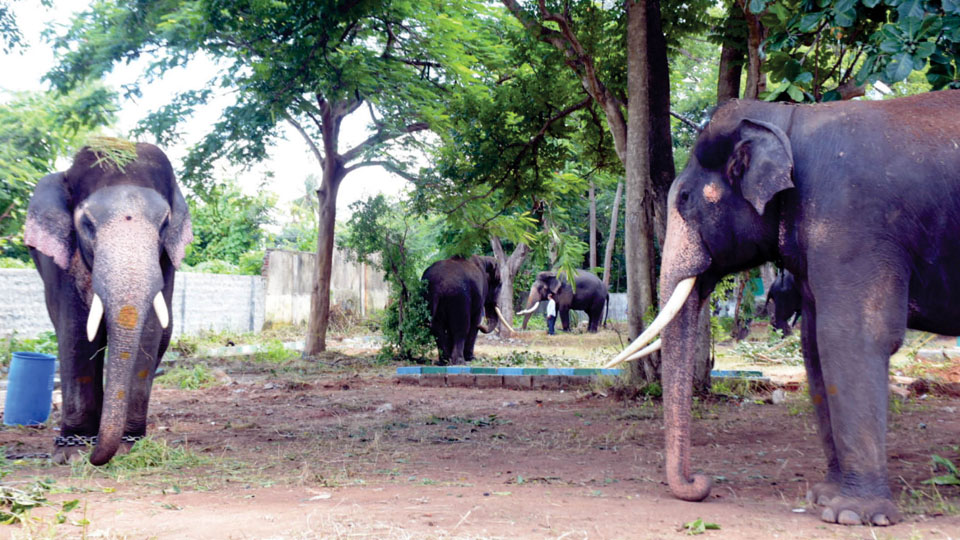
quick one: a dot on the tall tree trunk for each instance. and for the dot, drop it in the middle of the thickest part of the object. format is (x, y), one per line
(612, 238)
(755, 33)
(662, 168)
(731, 59)
(316, 341)
(509, 266)
(593, 225)
(639, 216)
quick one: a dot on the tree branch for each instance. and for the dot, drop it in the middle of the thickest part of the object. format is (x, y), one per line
(381, 137)
(686, 121)
(389, 166)
(306, 136)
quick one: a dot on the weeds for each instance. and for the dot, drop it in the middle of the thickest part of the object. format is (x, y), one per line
(952, 478)
(200, 376)
(776, 350)
(146, 456)
(17, 499)
(274, 352)
(46, 342)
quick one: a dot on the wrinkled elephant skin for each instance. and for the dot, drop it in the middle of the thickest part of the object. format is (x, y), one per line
(591, 296)
(461, 293)
(860, 202)
(106, 240)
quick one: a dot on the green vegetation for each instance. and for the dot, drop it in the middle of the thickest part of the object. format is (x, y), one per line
(111, 151)
(147, 456)
(46, 343)
(195, 378)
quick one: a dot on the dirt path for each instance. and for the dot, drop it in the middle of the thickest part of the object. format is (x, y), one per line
(301, 453)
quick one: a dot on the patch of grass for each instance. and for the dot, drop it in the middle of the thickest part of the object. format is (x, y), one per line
(195, 378)
(18, 498)
(775, 350)
(111, 151)
(46, 342)
(148, 455)
(492, 420)
(274, 352)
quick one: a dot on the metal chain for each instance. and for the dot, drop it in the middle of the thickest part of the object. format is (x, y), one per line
(70, 441)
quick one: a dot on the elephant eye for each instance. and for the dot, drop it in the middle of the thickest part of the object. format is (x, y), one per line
(684, 196)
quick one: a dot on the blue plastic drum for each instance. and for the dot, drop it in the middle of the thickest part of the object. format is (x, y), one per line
(29, 389)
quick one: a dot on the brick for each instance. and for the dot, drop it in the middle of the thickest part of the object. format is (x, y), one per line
(489, 381)
(433, 379)
(568, 382)
(545, 382)
(518, 382)
(407, 379)
(465, 380)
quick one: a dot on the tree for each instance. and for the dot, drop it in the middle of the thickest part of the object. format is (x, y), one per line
(227, 224)
(308, 64)
(35, 130)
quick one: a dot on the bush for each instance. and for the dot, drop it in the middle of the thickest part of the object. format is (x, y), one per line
(46, 342)
(10, 262)
(408, 337)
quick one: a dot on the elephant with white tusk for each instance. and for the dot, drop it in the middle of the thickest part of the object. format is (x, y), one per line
(106, 237)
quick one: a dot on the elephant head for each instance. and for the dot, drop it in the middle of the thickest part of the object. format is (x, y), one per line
(546, 283)
(119, 230)
(720, 220)
(491, 272)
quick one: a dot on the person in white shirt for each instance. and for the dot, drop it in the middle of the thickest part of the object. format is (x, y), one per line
(551, 314)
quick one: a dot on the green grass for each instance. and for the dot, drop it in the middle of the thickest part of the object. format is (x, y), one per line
(147, 456)
(195, 378)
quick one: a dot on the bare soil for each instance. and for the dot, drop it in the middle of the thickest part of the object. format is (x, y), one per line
(337, 449)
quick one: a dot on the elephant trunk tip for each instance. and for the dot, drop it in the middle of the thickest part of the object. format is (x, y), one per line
(694, 490)
(102, 454)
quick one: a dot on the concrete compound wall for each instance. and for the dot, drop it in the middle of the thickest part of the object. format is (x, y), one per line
(217, 302)
(289, 284)
(200, 302)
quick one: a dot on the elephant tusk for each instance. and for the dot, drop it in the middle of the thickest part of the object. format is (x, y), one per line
(649, 349)
(670, 310)
(96, 315)
(160, 306)
(504, 321)
(531, 310)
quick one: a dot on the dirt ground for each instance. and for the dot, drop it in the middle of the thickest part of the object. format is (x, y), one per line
(337, 449)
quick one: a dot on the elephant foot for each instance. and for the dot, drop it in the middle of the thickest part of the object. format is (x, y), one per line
(64, 455)
(846, 510)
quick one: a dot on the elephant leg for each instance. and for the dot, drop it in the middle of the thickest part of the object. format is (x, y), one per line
(565, 319)
(830, 487)
(456, 355)
(139, 395)
(855, 340)
(468, 344)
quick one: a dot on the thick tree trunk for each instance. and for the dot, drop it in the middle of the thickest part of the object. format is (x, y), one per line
(662, 169)
(316, 341)
(611, 239)
(756, 82)
(593, 226)
(639, 215)
(509, 266)
(731, 60)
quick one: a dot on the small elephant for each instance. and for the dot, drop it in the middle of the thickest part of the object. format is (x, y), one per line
(461, 293)
(786, 302)
(106, 237)
(860, 201)
(591, 296)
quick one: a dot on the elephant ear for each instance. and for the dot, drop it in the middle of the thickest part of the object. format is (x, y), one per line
(762, 162)
(179, 231)
(555, 285)
(49, 226)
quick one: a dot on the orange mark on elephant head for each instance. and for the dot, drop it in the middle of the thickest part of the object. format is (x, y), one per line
(711, 193)
(128, 317)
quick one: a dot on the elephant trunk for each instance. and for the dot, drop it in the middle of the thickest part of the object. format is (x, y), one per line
(490, 315)
(126, 275)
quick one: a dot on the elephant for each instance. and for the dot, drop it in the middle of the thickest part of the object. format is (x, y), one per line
(860, 201)
(786, 302)
(591, 296)
(106, 237)
(461, 293)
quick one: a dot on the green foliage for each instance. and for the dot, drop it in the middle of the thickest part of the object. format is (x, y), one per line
(776, 350)
(699, 526)
(17, 500)
(111, 151)
(35, 130)
(381, 234)
(46, 343)
(952, 476)
(146, 456)
(227, 225)
(195, 378)
(10, 262)
(274, 352)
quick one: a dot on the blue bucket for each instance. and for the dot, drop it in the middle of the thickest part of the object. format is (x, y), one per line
(29, 389)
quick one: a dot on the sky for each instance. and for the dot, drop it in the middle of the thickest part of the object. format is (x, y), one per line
(290, 160)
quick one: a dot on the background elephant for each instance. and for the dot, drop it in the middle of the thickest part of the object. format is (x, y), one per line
(106, 237)
(860, 201)
(460, 293)
(591, 296)
(786, 302)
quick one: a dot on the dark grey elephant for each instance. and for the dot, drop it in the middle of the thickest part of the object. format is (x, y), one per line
(591, 296)
(106, 238)
(860, 201)
(461, 293)
(786, 302)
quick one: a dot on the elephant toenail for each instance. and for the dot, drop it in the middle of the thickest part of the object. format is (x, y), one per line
(810, 497)
(848, 517)
(823, 500)
(880, 520)
(828, 515)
